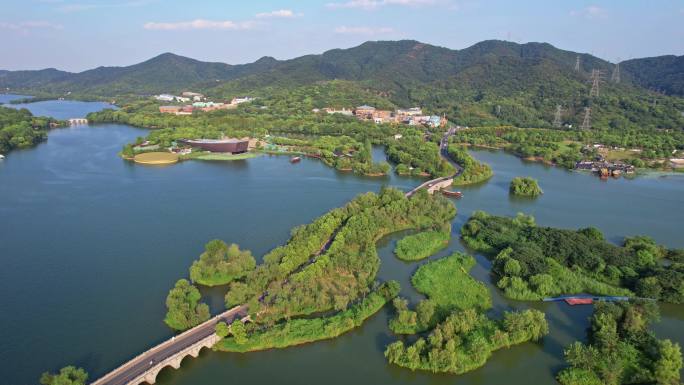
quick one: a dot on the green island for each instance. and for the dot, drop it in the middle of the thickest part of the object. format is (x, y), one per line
(466, 340)
(318, 285)
(20, 129)
(622, 350)
(68, 375)
(531, 262)
(525, 186)
(221, 264)
(422, 245)
(448, 287)
(472, 171)
(184, 309)
(462, 337)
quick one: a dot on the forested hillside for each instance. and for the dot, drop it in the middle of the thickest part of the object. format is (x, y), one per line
(663, 73)
(490, 83)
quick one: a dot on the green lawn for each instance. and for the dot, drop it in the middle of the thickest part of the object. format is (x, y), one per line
(219, 156)
(448, 283)
(422, 245)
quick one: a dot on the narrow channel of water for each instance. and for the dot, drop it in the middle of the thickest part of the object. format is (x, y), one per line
(90, 245)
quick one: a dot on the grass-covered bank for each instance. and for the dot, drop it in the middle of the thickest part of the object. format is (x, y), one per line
(473, 171)
(448, 286)
(305, 330)
(422, 245)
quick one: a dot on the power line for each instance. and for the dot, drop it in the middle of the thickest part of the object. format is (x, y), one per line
(557, 122)
(615, 77)
(586, 122)
(596, 79)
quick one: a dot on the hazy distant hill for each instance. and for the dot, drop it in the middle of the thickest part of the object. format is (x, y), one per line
(164, 73)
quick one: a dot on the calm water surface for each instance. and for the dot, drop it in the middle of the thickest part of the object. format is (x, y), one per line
(90, 245)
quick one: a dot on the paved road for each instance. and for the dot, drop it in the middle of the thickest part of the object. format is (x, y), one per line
(443, 145)
(140, 364)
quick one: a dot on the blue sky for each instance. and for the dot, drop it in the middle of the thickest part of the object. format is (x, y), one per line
(75, 35)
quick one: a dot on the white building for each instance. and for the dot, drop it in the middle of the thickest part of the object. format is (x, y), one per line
(240, 100)
(165, 98)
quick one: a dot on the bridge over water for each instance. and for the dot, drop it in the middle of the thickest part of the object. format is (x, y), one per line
(146, 366)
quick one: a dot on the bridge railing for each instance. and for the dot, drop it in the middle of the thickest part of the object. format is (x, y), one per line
(164, 344)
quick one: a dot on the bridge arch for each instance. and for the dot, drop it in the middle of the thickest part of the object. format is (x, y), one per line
(175, 361)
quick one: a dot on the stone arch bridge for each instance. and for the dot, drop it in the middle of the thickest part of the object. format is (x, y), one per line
(146, 366)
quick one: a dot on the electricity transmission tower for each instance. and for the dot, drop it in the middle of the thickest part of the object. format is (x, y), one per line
(595, 83)
(577, 64)
(615, 77)
(586, 122)
(557, 122)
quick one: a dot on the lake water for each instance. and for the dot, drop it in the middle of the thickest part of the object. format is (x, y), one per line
(90, 245)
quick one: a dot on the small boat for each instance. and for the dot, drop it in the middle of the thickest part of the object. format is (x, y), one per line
(2, 157)
(579, 301)
(455, 194)
(295, 159)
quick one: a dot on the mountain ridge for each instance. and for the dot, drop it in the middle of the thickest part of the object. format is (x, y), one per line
(400, 58)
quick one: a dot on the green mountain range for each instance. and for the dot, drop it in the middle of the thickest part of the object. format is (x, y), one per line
(492, 82)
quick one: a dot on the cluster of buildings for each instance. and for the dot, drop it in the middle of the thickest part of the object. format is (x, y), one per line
(199, 103)
(184, 98)
(410, 116)
(605, 168)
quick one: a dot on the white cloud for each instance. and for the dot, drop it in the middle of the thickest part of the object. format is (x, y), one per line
(363, 30)
(201, 24)
(373, 4)
(281, 13)
(590, 12)
(25, 26)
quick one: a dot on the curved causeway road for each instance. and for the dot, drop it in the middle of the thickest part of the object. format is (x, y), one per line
(445, 181)
(146, 366)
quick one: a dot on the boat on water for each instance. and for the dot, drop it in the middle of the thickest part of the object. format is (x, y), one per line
(579, 301)
(455, 194)
(2, 157)
(584, 299)
(295, 159)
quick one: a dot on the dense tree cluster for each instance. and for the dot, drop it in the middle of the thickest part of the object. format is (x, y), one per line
(337, 260)
(622, 349)
(69, 375)
(303, 330)
(472, 171)
(565, 147)
(525, 186)
(533, 262)
(20, 129)
(413, 155)
(184, 309)
(220, 264)
(448, 287)
(422, 245)
(466, 339)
